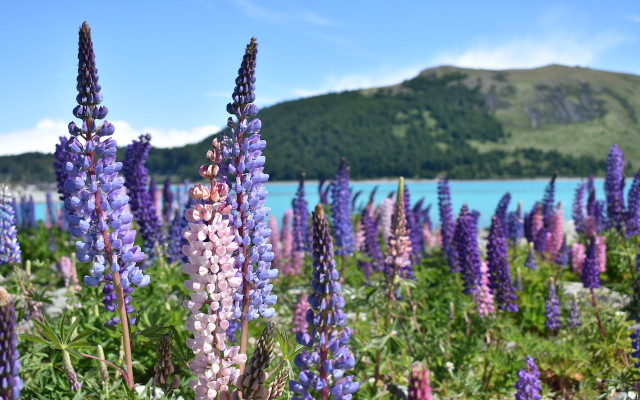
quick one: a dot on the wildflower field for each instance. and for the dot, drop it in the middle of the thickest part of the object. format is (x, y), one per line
(133, 292)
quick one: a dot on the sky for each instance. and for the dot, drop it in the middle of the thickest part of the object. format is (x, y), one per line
(168, 67)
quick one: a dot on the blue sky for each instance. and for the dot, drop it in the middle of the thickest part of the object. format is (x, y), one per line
(168, 67)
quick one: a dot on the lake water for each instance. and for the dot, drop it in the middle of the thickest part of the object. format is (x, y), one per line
(479, 195)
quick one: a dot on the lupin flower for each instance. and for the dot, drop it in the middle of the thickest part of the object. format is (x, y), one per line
(322, 367)
(590, 277)
(528, 384)
(62, 157)
(614, 188)
(250, 385)
(578, 208)
(9, 246)
(10, 382)
(385, 210)
(419, 385)
(50, 212)
(242, 165)
(286, 242)
(468, 254)
(556, 235)
(577, 257)
(371, 244)
(601, 253)
(446, 222)
(414, 228)
(167, 201)
(301, 239)
(483, 297)
(531, 262)
(65, 270)
(341, 211)
(300, 313)
(633, 207)
(515, 225)
(214, 281)
(175, 241)
(501, 209)
(398, 254)
(499, 270)
(548, 200)
(164, 368)
(141, 201)
(574, 313)
(275, 243)
(97, 217)
(552, 309)
(562, 258)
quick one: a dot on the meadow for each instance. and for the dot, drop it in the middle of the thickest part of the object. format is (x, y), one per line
(125, 294)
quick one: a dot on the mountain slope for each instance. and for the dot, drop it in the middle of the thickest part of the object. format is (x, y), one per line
(467, 123)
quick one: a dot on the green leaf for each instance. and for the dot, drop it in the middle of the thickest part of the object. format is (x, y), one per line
(47, 332)
(153, 332)
(83, 335)
(36, 339)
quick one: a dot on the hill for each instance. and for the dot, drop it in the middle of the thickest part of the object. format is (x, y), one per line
(467, 123)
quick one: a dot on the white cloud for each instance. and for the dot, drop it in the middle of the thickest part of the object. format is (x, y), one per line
(380, 78)
(530, 53)
(44, 136)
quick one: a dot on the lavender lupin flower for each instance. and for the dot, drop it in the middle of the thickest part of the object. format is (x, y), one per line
(614, 188)
(140, 200)
(322, 367)
(286, 242)
(590, 277)
(10, 382)
(633, 207)
(528, 384)
(62, 157)
(371, 244)
(562, 258)
(574, 313)
(341, 212)
(578, 208)
(552, 308)
(301, 239)
(446, 222)
(499, 270)
(466, 245)
(415, 229)
(515, 224)
(548, 200)
(9, 247)
(300, 314)
(243, 165)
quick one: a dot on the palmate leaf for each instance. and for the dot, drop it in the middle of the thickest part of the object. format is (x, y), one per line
(48, 333)
(34, 338)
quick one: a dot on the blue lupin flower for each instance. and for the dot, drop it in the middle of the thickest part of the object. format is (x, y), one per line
(515, 225)
(552, 308)
(468, 254)
(243, 166)
(9, 246)
(140, 200)
(301, 239)
(614, 188)
(323, 363)
(528, 384)
(94, 189)
(578, 208)
(446, 222)
(10, 382)
(501, 209)
(500, 280)
(633, 207)
(341, 212)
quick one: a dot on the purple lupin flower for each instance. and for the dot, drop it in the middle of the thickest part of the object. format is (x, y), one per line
(243, 166)
(301, 240)
(548, 200)
(574, 313)
(528, 384)
(371, 244)
(578, 208)
(562, 258)
(501, 209)
(633, 207)
(552, 309)
(167, 201)
(419, 385)
(466, 244)
(446, 222)
(531, 262)
(614, 188)
(10, 382)
(140, 200)
(341, 212)
(322, 365)
(515, 224)
(286, 243)
(499, 270)
(97, 216)
(9, 247)
(590, 276)
(415, 229)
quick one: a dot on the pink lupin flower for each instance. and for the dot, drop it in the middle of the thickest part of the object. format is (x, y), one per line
(386, 214)
(213, 282)
(577, 257)
(601, 253)
(275, 242)
(286, 241)
(483, 296)
(419, 385)
(360, 237)
(299, 315)
(554, 242)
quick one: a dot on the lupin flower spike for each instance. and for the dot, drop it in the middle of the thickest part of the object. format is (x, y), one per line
(574, 313)
(528, 384)
(398, 257)
(9, 246)
(614, 188)
(301, 237)
(341, 211)
(322, 367)
(468, 254)
(552, 309)
(446, 222)
(500, 272)
(10, 382)
(250, 385)
(419, 386)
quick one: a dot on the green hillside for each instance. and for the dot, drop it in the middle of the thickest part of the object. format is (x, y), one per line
(468, 123)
